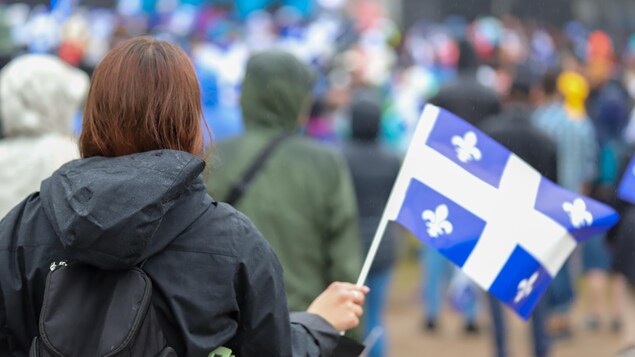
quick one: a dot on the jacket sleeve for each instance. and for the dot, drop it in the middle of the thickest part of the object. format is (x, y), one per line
(21, 281)
(311, 335)
(264, 328)
(4, 333)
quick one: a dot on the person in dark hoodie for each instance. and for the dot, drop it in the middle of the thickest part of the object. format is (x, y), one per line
(136, 196)
(374, 171)
(513, 128)
(622, 245)
(465, 96)
(302, 197)
(608, 106)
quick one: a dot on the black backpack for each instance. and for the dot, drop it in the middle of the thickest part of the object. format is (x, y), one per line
(92, 312)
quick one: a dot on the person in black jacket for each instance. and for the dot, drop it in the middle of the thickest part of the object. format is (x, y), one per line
(374, 170)
(136, 196)
(621, 241)
(513, 129)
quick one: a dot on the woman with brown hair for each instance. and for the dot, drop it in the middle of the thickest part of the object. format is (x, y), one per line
(137, 196)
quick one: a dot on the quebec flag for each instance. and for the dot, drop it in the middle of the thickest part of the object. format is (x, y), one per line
(626, 189)
(508, 228)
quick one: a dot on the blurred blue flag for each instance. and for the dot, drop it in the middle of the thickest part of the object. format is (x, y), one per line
(508, 228)
(62, 9)
(626, 189)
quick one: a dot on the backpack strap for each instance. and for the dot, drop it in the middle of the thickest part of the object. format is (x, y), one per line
(239, 188)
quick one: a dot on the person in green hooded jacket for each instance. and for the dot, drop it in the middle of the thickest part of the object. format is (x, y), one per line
(302, 198)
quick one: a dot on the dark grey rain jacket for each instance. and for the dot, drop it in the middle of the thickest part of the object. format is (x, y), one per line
(216, 280)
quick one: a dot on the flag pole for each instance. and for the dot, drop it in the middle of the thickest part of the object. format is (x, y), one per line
(372, 251)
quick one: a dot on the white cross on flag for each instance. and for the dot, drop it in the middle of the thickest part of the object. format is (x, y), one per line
(507, 227)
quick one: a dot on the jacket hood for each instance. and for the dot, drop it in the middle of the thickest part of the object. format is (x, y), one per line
(40, 94)
(115, 212)
(275, 90)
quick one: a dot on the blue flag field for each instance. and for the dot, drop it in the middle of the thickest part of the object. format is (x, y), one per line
(626, 189)
(508, 228)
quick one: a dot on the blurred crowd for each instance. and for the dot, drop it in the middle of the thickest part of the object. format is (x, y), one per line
(573, 87)
(352, 46)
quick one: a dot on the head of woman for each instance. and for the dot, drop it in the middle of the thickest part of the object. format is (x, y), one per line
(144, 96)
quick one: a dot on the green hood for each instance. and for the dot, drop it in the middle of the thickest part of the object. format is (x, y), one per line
(275, 90)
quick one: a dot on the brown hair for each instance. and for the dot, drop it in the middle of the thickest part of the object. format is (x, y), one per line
(144, 96)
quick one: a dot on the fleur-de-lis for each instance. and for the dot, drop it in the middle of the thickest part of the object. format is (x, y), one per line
(578, 213)
(525, 287)
(437, 222)
(55, 265)
(465, 147)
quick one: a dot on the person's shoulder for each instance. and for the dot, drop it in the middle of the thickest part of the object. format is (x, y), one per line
(228, 145)
(314, 151)
(387, 155)
(540, 136)
(369, 152)
(587, 124)
(580, 128)
(26, 224)
(540, 140)
(447, 90)
(224, 230)
(493, 124)
(486, 94)
(304, 143)
(297, 145)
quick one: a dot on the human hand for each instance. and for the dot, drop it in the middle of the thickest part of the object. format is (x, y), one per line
(340, 305)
